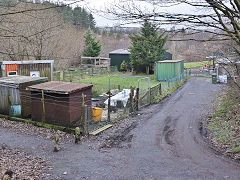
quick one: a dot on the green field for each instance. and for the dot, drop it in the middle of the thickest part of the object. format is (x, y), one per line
(196, 64)
(101, 83)
(100, 80)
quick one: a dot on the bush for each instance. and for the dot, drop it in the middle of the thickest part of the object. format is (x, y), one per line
(123, 66)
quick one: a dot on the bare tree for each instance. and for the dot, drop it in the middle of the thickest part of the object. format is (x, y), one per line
(28, 35)
(218, 17)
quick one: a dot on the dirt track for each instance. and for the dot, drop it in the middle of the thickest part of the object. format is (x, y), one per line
(163, 142)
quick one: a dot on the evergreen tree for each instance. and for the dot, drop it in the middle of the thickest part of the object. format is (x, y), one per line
(66, 12)
(147, 47)
(77, 16)
(92, 22)
(92, 46)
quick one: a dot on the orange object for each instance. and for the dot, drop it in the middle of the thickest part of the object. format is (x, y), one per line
(11, 67)
(96, 114)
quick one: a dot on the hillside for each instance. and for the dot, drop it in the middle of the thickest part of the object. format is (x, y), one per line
(46, 34)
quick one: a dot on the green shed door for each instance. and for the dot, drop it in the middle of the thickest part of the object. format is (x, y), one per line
(117, 59)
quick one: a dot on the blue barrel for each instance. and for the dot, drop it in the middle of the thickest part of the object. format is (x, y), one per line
(16, 110)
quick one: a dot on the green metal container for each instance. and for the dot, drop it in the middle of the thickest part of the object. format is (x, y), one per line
(214, 78)
(169, 69)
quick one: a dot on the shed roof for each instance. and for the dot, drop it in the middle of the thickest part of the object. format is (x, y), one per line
(16, 80)
(59, 87)
(120, 51)
(27, 62)
(169, 61)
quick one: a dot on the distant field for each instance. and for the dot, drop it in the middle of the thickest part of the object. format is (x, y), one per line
(196, 64)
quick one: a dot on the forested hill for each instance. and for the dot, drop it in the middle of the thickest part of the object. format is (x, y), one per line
(77, 16)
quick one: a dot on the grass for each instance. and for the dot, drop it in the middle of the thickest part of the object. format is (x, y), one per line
(196, 64)
(224, 124)
(101, 83)
(100, 80)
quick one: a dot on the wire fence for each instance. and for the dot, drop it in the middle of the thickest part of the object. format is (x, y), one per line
(116, 96)
(201, 73)
(113, 97)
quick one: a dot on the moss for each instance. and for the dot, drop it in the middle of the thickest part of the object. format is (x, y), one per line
(39, 124)
(236, 150)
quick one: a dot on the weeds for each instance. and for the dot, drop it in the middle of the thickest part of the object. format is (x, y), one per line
(224, 123)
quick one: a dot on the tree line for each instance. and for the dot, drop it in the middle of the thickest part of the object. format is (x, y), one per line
(77, 16)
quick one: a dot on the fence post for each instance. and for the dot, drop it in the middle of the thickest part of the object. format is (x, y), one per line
(83, 116)
(71, 76)
(149, 89)
(109, 98)
(150, 99)
(160, 89)
(131, 99)
(137, 98)
(109, 105)
(43, 108)
(85, 124)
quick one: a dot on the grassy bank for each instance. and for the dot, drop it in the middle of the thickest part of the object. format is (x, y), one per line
(224, 124)
(196, 64)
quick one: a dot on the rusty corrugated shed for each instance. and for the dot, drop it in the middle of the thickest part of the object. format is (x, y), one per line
(59, 87)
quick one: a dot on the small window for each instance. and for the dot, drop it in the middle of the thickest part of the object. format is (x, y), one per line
(12, 73)
(35, 73)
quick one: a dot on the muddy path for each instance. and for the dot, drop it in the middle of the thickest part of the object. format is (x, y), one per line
(161, 142)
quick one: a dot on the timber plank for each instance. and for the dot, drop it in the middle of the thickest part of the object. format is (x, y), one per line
(96, 132)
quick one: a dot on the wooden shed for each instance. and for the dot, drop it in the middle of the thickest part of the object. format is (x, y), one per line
(118, 56)
(33, 68)
(14, 99)
(59, 103)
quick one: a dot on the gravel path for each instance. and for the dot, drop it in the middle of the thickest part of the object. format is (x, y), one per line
(161, 142)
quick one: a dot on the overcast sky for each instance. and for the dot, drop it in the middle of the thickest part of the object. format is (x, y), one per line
(104, 20)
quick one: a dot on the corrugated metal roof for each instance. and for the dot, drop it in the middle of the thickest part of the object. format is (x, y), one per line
(120, 51)
(59, 87)
(28, 62)
(16, 80)
(169, 61)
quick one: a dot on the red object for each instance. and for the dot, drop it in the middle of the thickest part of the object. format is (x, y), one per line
(11, 67)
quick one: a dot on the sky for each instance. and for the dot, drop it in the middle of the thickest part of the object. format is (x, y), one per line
(103, 20)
